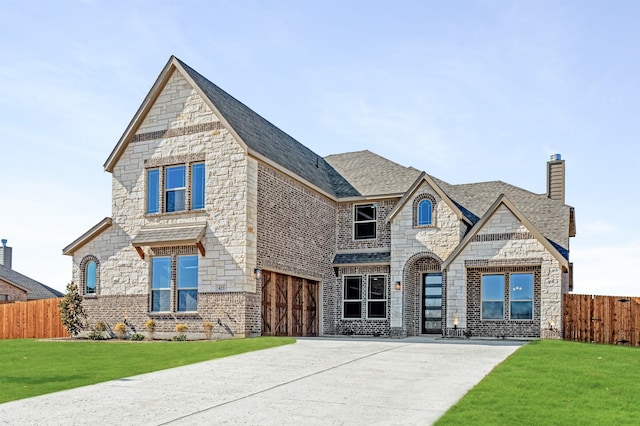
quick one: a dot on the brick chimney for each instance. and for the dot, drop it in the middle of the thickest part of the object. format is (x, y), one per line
(555, 178)
(5, 254)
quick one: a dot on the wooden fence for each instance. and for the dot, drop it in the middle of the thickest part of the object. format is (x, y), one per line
(602, 319)
(32, 319)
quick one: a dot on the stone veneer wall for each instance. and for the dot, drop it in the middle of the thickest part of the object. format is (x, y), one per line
(419, 249)
(361, 326)
(178, 129)
(505, 241)
(296, 235)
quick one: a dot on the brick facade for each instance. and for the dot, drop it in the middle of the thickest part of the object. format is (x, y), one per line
(11, 292)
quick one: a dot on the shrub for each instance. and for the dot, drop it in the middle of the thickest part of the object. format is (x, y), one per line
(96, 335)
(208, 329)
(100, 327)
(71, 310)
(137, 337)
(181, 329)
(150, 325)
(120, 329)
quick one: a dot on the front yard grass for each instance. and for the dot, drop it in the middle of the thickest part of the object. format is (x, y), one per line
(556, 383)
(34, 367)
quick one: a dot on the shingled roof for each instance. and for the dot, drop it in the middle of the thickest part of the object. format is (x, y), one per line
(370, 174)
(35, 290)
(271, 142)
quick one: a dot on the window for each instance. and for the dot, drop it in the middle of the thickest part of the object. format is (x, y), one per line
(179, 180)
(197, 186)
(352, 306)
(364, 221)
(185, 270)
(174, 188)
(492, 290)
(376, 296)
(187, 283)
(161, 284)
(425, 208)
(91, 277)
(153, 187)
(521, 296)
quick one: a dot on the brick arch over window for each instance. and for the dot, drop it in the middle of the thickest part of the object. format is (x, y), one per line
(417, 265)
(416, 210)
(83, 274)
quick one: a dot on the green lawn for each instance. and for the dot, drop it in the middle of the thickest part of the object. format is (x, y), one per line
(556, 383)
(33, 367)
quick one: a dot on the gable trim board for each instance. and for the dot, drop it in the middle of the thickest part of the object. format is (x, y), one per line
(502, 200)
(96, 230)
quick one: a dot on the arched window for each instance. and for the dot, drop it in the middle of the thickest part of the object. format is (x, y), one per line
(425, 210)
(91, 277)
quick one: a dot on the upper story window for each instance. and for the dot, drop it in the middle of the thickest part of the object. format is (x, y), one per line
(177, 182)
(364, 221)
(424, 210)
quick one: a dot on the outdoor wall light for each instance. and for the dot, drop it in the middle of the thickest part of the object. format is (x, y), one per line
(398, 285)
(455, 323)
(257, 273)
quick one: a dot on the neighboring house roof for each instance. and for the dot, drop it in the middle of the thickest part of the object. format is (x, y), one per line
(362, 258)
(87, 236)
(35, 290)
(503, 200)
(373, 175)
(262, 139)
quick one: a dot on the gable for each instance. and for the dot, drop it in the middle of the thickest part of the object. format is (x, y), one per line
(177, 106)
(504, 221)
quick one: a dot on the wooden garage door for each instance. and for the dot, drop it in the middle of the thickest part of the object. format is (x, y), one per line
(289, 305)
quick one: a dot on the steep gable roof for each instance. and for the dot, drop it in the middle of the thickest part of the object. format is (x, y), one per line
(373, 175)
(502, 200)
(35, 289)
(262, 139)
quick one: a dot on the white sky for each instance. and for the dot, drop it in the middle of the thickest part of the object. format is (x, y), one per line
(470, 91)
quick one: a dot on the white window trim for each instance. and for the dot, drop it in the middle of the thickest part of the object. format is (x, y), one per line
(375, 221)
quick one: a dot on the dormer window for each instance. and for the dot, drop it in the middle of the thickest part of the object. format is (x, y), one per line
(364, 221)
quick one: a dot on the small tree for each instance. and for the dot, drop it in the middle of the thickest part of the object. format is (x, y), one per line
(71, 310)
(208, 329)
(150, 325)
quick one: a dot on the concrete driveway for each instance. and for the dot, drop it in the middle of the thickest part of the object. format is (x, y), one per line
(315, 381)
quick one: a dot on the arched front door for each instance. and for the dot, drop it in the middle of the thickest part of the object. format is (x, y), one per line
(432, 303)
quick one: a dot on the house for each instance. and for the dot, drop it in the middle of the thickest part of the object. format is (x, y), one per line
(15, 287)
(219, 216)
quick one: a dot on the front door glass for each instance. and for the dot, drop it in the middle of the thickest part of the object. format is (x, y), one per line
(432, 303)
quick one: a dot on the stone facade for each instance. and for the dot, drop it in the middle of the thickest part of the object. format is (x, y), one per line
(504, 242)
(185, 131)
(260, 214)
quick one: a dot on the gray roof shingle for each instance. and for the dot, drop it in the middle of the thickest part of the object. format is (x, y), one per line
(35, 289)
(360, 258)
(268, 140)
(371, 174)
